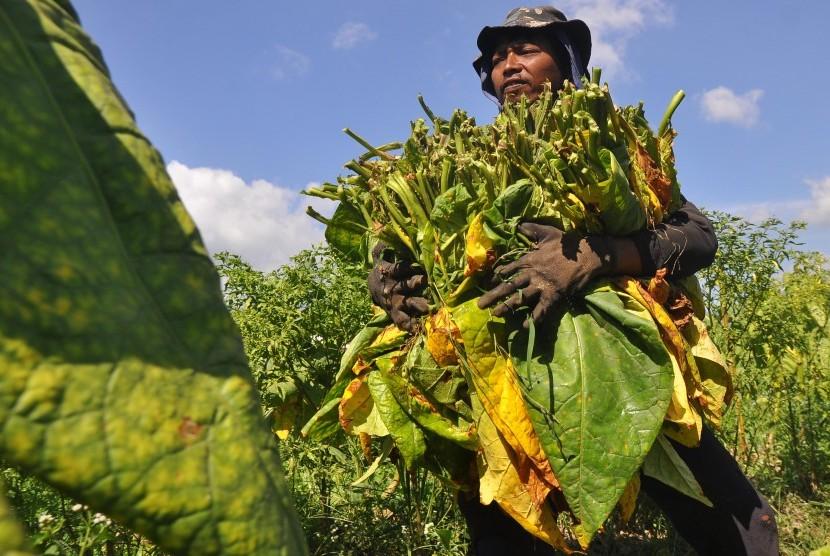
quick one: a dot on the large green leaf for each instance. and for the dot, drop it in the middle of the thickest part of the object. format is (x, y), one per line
(122, 376)
(598, 385)
(408, 436)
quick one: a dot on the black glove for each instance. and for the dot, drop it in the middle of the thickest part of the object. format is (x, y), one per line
(395, 285)
(560, 265)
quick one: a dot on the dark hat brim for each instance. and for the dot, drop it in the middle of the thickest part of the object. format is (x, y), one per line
(576, 29)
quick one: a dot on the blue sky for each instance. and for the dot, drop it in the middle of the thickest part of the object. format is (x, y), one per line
(247, 103)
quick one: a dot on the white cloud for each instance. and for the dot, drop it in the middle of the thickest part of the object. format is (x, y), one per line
(351, 34)
(756, 212)
(818, 210)
(289, 63)
(263, 223)
(722, 104)
(614, 23)
(815, 210)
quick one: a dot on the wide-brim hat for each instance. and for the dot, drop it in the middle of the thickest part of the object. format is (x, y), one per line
(542, 18)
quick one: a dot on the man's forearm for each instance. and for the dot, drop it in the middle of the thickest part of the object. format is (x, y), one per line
(684, 243)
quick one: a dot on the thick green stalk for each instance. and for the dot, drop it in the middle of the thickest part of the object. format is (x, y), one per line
(395, 214)
(673, 104)
(368, 146)
(358, 168)
(423, 190)
(400, 186)
(446, 167)
(430, 114)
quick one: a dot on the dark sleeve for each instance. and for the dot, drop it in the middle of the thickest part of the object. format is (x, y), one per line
(684, 243)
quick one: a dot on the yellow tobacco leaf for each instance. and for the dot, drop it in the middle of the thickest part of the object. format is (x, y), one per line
(479, 248)
(442, 335)
(497, 386)
(390, 335)
(628, 500)
(522, 498)
(284, 416)
(716, 380)
(357, 411)
(683, 421)
(389, 338)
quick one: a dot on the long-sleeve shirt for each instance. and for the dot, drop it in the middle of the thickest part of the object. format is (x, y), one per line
(684, 243)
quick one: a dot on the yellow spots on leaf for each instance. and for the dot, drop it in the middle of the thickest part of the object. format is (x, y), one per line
(65, 272)
(62, 306)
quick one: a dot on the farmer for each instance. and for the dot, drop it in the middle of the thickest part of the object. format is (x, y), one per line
(533, 47)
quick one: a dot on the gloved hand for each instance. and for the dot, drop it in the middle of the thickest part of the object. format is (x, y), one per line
(395, 285)
(560, 265)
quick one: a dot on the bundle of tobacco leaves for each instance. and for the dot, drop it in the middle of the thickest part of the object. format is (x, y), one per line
(571, 411)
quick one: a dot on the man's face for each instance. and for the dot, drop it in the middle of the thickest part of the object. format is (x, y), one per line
(521, 66)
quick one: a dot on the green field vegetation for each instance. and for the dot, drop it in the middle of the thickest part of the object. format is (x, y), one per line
(768, 308)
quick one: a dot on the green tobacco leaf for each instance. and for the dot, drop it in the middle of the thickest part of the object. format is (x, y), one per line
(12, 538)
(443, 384)
(597, 386)
(620, 211)
(408, 436)
(451, 208)
(665, 464)
(421, 410)
(345, 231)
(123, 381)
(363, 338)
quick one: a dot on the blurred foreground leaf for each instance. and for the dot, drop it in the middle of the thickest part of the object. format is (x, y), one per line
(123, 381)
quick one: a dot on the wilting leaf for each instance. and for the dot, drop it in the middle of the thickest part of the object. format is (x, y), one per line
(358, 413)
(387, 340)
(408, 436)
(479, 248)
(442, 335)
(517, 494)
(598, 385)
(491, 372)
(683, 422)
(324, 422)
(665, 464)
(715, 379)
(12, 538)
(284, 416)
(124, 382)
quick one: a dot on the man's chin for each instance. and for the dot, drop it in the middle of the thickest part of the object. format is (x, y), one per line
(514, 97)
